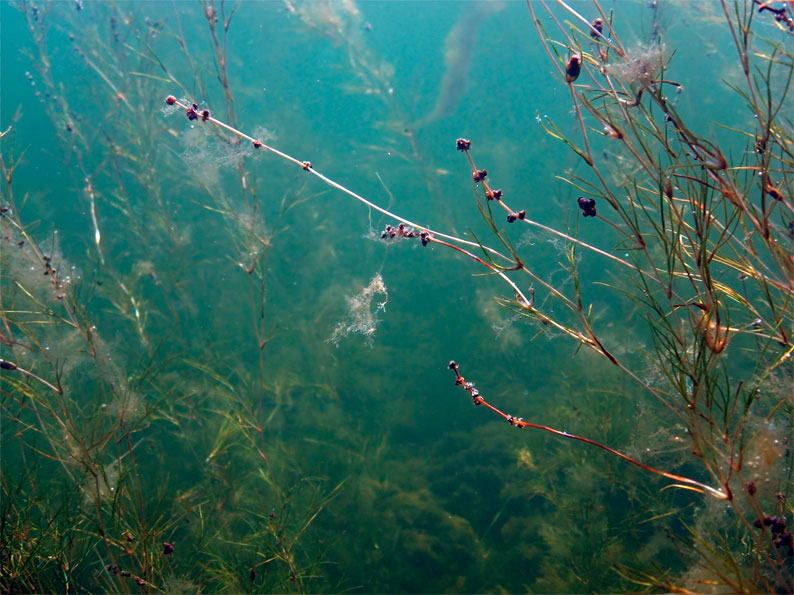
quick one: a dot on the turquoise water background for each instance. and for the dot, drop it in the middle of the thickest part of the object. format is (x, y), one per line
(415, 489)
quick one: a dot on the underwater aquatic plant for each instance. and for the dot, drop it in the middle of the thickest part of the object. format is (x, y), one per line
(518, 422)
(709, 256)
(690, 322)
(162, 370)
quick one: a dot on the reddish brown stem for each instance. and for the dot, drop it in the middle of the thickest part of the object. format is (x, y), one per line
(518, 422)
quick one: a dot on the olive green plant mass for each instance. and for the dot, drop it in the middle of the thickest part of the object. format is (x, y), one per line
(419, 297)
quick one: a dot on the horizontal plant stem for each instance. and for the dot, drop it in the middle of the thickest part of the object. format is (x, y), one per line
(520, 423)
(307, 166)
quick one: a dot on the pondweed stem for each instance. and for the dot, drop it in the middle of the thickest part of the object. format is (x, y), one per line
(684, 482)
(307, 166)
(194, 113)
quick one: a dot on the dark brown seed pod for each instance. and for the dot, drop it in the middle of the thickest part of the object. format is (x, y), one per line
(573, 67)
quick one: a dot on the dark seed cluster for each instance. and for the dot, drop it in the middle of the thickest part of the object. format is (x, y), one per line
(777, 526)
(588, 206)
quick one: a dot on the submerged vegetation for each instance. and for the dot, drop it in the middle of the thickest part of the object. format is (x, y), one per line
(192, 401)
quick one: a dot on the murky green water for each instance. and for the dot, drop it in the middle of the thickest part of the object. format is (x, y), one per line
(233, 400)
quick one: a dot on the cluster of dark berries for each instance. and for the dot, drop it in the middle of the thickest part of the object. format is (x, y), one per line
(781, 14)
(479, 175)
(493, 194)
(114, 568)
(403, 231)
(511, 217)
(598, 25)
(786, 20)
(127, 574)
(48, 268)
(587, 205)
(469, 386)
(777, 525)
(462, 144)
(193, 113)
(515, 421)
